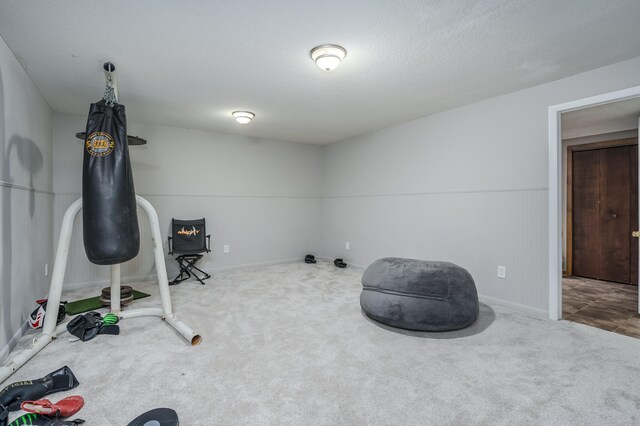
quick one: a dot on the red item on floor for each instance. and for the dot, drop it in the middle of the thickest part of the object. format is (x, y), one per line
(64, 408)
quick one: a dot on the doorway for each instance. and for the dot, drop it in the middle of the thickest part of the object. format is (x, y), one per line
(557, 189)
(601, 254)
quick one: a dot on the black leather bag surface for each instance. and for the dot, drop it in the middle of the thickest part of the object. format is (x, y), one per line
(111, 234)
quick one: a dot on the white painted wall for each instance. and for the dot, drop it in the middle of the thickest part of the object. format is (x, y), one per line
(261, 197)
(469, 185)
(26, 199)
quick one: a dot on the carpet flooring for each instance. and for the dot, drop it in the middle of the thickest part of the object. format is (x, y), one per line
(288, 345)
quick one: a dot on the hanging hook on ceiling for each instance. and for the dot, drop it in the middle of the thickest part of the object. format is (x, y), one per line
(109, 68)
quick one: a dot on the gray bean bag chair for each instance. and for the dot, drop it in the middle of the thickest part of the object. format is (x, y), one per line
(419, 295)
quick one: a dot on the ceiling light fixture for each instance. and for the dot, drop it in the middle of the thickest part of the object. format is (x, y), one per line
(243, 117)
(328, 56)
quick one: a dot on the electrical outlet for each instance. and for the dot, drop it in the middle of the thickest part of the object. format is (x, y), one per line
(502, 272)
(346, 245)
(226, 248)
(46, 269)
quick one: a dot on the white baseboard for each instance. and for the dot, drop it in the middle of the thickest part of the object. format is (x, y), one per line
(349, 265)
(11, 344)
(249, 265)
(529, 310)
(106, 282)
(4, 353)
(153, 277)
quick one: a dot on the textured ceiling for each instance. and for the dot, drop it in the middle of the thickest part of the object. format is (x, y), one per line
(190, 63)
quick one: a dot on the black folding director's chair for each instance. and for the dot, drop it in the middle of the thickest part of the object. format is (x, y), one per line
(189, 239)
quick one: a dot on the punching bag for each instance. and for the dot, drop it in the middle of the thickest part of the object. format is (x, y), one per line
(111, 233)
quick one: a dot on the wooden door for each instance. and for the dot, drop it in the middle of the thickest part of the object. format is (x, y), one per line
(604, 213)
(586, 212)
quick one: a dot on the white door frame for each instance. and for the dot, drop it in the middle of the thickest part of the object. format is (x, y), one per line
(555, 189)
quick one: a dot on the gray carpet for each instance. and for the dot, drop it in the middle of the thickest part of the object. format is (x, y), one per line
(288, 344)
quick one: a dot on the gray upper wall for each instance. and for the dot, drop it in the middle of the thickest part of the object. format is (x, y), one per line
(496, 144)
(25, 128)
(191, 162)
(26, 200)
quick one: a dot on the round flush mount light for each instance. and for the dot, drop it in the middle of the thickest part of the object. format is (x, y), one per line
(328, 56)
(243, 117)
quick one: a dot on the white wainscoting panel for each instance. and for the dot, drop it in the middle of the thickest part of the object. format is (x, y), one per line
(476, 230)
(257, 229)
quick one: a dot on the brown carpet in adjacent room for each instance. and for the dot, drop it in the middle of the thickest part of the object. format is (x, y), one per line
(606, 305)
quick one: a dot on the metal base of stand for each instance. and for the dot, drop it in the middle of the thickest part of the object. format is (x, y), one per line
(50, 330)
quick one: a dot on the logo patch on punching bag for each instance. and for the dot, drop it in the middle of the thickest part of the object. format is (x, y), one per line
(99, 144)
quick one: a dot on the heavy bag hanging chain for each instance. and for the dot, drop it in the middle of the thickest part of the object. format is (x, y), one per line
(110, 96)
